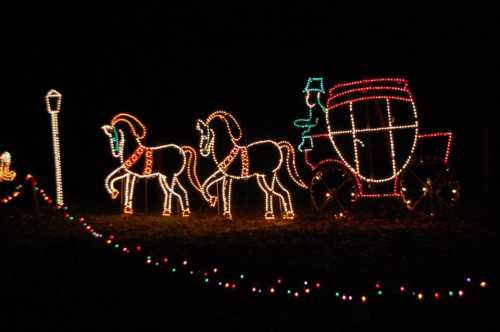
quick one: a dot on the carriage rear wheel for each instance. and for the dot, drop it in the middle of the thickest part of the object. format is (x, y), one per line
(430, 187)
(333, 191)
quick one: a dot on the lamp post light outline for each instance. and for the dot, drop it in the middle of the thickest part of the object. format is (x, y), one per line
(55, 140)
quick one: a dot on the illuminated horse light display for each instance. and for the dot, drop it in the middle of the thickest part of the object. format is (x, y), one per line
(140, 161)
(235, 164)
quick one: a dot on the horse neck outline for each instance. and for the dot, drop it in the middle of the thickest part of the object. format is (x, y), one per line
(234, 141)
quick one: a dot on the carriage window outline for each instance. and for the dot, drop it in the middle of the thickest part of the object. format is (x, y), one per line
(390, 128)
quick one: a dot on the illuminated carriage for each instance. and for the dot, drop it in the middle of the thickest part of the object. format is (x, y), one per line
(370, 148)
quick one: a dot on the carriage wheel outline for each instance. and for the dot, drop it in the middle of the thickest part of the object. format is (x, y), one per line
(439, 189)
(333, 190)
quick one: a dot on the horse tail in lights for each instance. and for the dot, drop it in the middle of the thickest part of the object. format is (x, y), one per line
(191, 163)
(290, 164)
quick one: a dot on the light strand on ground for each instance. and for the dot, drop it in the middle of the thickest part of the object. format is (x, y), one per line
(277, 287)
(181, 158)
(13, 195)
(18, 190)
(242, 155)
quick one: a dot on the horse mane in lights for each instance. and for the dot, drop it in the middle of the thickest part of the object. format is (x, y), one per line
(235, 164)
(126, 134)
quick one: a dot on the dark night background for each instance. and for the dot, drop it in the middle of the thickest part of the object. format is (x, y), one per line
(170, 63)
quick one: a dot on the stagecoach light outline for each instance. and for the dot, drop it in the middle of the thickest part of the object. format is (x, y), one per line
(341, 179)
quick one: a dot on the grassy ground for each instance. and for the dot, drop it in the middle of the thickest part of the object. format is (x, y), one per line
(57, 276)
(373, 246)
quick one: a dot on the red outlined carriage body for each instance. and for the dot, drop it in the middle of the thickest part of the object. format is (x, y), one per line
(345, 98)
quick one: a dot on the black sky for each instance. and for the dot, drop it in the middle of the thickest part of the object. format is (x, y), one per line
(172, 62)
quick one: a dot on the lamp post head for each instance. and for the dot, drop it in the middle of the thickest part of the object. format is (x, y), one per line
(53, 101)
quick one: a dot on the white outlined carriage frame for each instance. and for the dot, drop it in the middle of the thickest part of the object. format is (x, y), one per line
(349, 94)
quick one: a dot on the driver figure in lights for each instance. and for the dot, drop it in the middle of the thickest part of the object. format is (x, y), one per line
(313, 91)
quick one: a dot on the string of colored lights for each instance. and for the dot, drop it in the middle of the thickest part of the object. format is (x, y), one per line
(6, 174)
(51, 95)
(18, 190)
(16, 193)
(280, 286)
(268, 182)
(126, 170)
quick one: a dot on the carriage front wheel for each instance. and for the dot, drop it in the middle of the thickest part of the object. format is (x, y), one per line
(333, 191)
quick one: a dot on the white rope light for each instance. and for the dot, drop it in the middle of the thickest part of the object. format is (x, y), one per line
(130, 168)
(268, 181)
(53, 110)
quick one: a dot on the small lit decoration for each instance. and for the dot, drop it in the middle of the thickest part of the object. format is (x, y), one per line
(6, 174)
(53, 103)
(126, 134)
(235, 164)
(313, 91)
(373, 128)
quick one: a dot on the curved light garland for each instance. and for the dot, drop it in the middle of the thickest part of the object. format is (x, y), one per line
(18, 190)
(127, 169)
(268, 182)
(280, 286)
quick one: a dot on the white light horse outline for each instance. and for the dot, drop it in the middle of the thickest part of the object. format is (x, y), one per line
(179, 157)
(240, 155)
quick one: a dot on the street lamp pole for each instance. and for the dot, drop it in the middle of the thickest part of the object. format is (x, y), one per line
(53, 103)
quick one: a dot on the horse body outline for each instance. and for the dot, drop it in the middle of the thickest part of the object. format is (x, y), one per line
(185, 155)
(267, 179)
